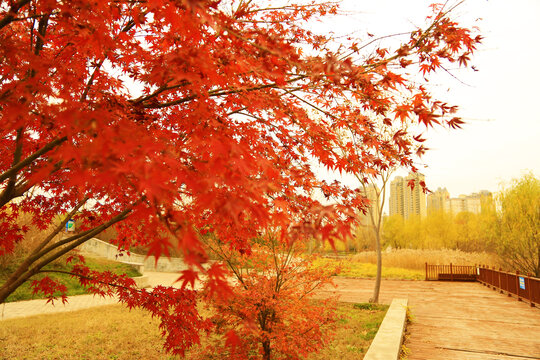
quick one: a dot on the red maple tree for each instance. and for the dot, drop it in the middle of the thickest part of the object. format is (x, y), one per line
(172, 117)
(270, 313)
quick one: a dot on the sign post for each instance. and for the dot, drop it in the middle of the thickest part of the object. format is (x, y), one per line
(522, 282)
(70, 225)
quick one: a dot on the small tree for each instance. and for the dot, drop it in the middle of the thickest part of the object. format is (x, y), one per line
(518, 243)
(270, 313)
(375, 217)
(373, 181)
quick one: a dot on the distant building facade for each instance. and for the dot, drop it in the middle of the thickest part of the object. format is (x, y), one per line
(371, 193)
(396, 196)
(456, 205)
(468, 203)
(405, 201)
(409, 202)
(437, 200)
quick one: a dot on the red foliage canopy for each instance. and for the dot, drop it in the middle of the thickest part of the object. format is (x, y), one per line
(164, 117)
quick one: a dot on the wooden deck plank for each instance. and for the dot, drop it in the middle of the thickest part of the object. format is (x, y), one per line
(458, 320)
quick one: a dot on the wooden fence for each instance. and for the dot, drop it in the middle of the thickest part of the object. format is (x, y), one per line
(524, 287)
(451, 272)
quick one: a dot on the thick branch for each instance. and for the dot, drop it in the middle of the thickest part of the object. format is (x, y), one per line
(88, 234)
(159, 91)
(24, 273)
(17, 154)
(32, 258)
(42, 28)
(60, 226)
(13, 10)
(17, 167)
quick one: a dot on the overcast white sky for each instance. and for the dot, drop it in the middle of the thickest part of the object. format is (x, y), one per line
(500, 102)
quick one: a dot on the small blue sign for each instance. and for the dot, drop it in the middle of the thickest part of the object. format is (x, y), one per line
(70, 225)
(522, 282)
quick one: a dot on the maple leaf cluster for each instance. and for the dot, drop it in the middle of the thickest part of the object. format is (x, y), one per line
(168, 119)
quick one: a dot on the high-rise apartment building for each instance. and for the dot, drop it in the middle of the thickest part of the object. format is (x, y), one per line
(456, 205)
(405, 201)
(371, 193)
(396, 196)
(436, 201)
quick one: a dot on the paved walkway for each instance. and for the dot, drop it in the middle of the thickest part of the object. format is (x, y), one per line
(37, 307)
(458, 321)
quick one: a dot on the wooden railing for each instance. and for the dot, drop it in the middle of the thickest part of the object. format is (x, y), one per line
(524, 287)
(451, 272)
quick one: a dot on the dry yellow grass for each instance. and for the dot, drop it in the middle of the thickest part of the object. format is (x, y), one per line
(113, 332)
(109, 332)
(415, 259)
(29, 242)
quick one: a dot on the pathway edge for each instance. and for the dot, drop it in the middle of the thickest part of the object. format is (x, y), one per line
(387, 342)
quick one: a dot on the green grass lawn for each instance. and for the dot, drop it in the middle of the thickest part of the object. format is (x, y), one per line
(24, 292)
(355, 269)
(358, 326)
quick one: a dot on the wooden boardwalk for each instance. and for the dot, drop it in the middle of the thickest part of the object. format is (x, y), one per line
(458, 321)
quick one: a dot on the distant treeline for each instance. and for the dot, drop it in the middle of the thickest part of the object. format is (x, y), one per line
(508, 225)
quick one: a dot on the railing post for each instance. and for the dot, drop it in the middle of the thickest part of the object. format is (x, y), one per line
(500, 282)
(508, 284)
(484, 275)
(493, 278)
(451, 274)
(529, 289)
(517, 285)
(481, 274)
(426, 272)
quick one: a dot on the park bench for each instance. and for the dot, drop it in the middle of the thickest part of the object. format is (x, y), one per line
(457, 277)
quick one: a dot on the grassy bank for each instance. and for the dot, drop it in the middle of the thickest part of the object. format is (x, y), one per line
(113, 332)
(356, 269)
(357, 329)
(415, 259)
(403, 263)
(24, 292)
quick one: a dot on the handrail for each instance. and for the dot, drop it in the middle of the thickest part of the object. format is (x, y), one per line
(521, 285)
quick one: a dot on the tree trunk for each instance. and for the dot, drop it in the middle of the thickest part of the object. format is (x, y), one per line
(375, 297)
(13, 284)
(266, 349)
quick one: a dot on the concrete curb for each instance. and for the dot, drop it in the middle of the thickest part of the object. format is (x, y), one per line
(387, 342)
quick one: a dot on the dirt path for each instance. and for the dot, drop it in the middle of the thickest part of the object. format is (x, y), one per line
(461, 321)
(37, 307)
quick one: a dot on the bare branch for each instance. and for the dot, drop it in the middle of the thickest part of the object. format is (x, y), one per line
(219, 92)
